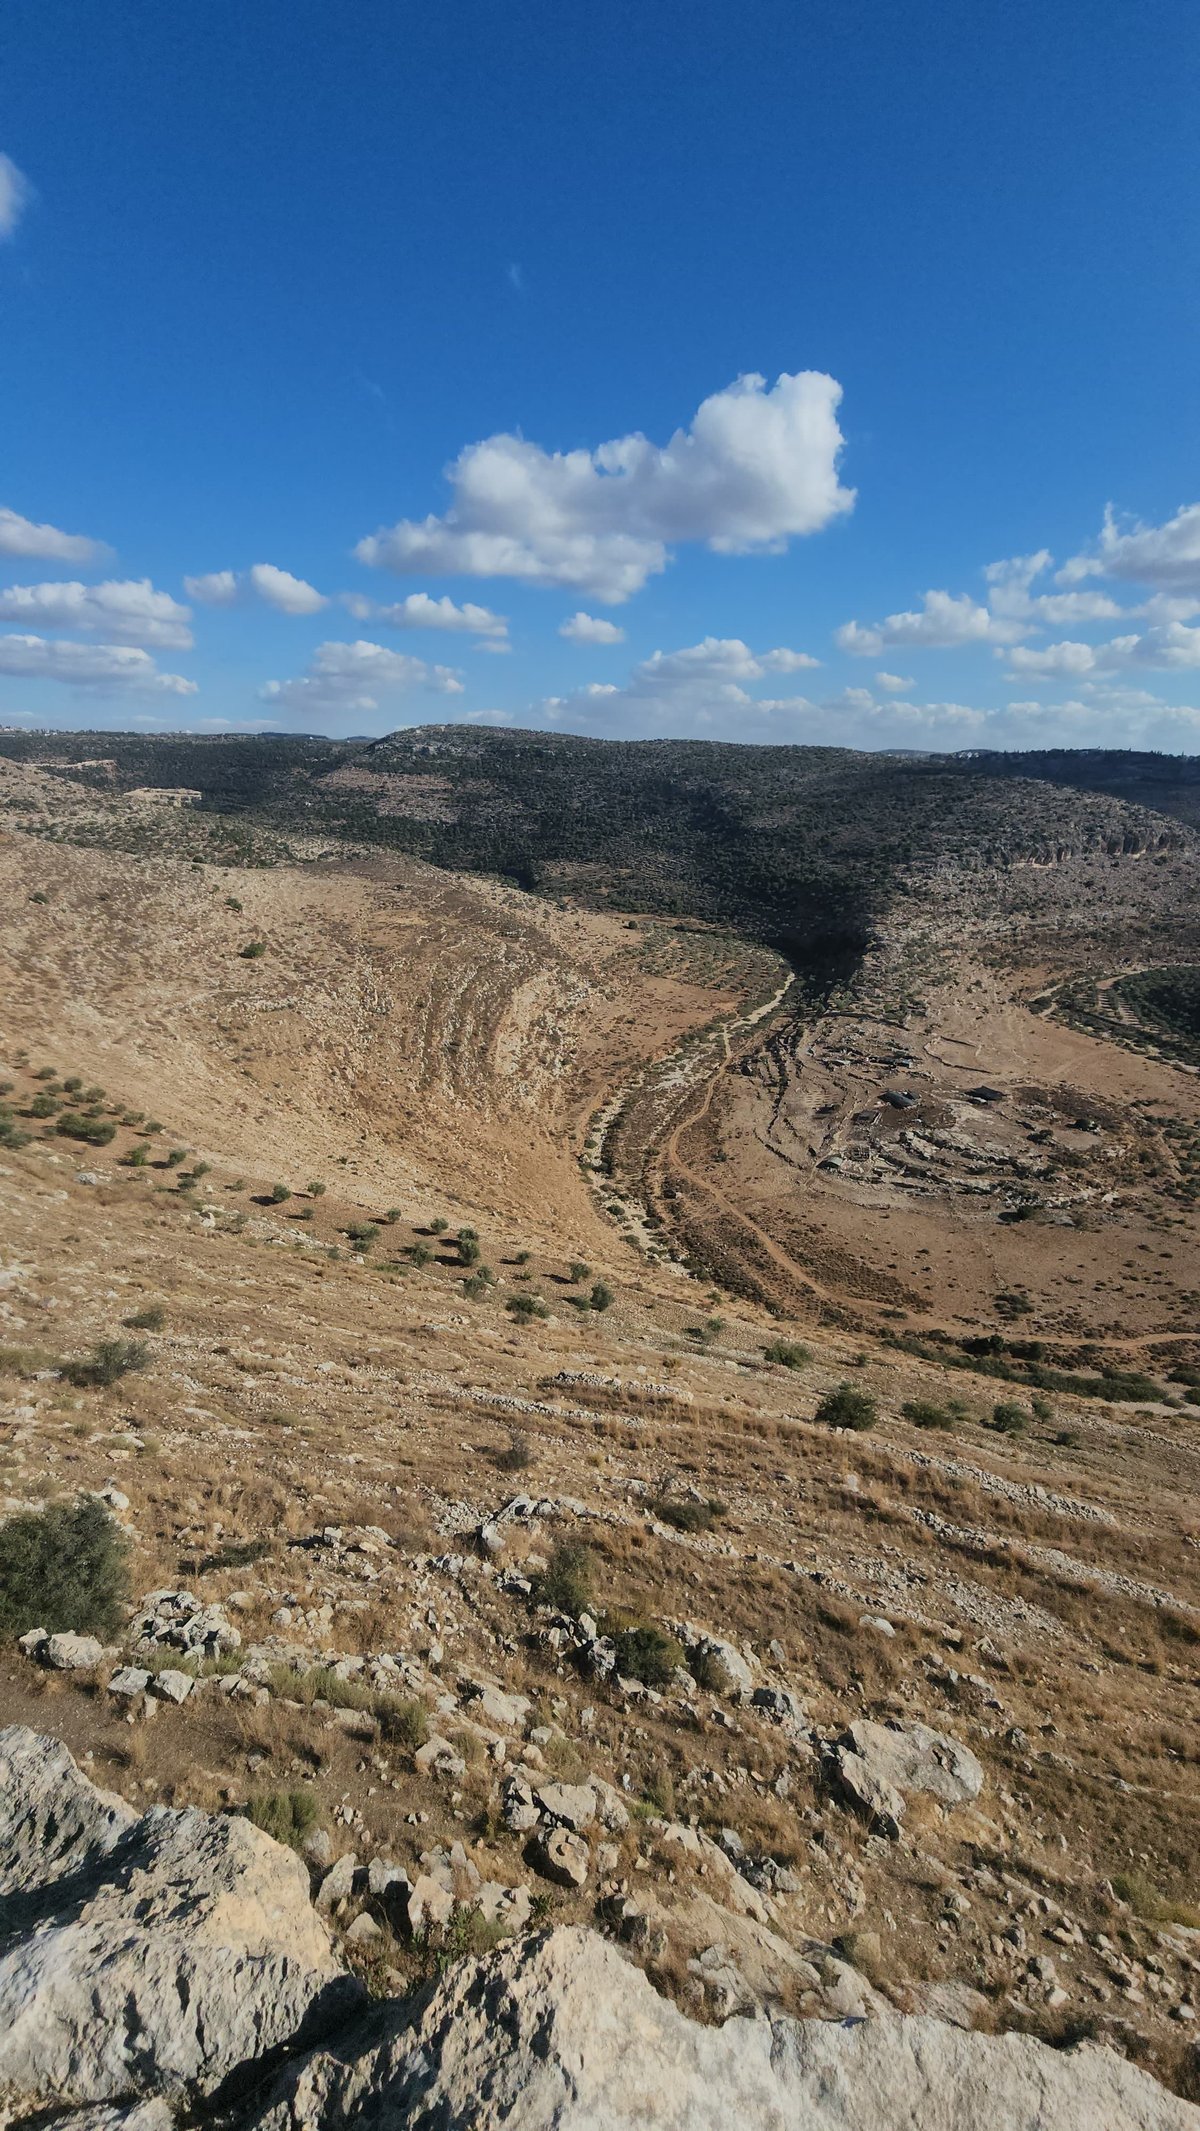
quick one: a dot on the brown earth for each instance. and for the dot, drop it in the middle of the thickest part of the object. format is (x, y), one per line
(428, 1046)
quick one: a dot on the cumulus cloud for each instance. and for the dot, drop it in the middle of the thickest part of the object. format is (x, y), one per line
(1012, 598)
(278, 588)
(420, 611)
(705, 687)
(20, 536)
(15, 195)
(353, 677)
(130, 612)
(584, 628)
(1169, 646)
(1165, 557)
(943, 621)
(103, 667)
(894, 683)
(757, 466)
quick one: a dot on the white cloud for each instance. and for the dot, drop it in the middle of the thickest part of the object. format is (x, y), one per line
(218, 589)
(352, 677)
(420, 611)
(1010, 596)
(15, 195)
(943, 621)
(290, 595)
(584, 628)
(107, 667)
(1166, 557)
(756, 467)
(130, 612)
(703, 687)
(1169, 646)
(895, 683)
(20, 536)
(277, 588)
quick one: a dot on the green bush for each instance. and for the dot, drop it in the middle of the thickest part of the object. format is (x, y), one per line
(527, 1306)
(252, 950)
(566, 1581)
(44, 1105)
(64, 1567)
(316, 1191)
(646, 1653)
(601, 1297)
(788, 1353)
(686, 1514)
(438, 1227)
(280, 1192)
(362, 1233)
(1009, 1419)
(580, 1271)
(847, 1407)
(924, 1414)
(11, 1135)
(109, 1360)
(288, 1816)
(97, 1131)
(420, 1253)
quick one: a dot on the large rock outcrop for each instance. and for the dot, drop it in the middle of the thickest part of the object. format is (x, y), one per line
(142, 1956)
(169, 1967)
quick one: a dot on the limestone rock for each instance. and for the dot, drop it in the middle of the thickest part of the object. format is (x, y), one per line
(563, 1856)
(148, 1956)
(572, 1805)
(562, 2034)
(71, 1653)
(911, 1757)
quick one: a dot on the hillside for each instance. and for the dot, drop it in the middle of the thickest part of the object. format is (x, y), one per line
(523, 1555)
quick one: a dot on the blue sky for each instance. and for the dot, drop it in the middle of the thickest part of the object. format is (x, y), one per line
(777, 372)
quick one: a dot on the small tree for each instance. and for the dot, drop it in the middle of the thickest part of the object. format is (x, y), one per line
(848, 1407)
(280, 1192)
(579, 1271)
(63, 1568)
(527, 1306)
(468, 1250)
(109, 1360)
(439, 1226)
(316, 1191)
(601, 1297)
(566, 1581)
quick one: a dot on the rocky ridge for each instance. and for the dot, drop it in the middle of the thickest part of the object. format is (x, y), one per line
(169, 1967)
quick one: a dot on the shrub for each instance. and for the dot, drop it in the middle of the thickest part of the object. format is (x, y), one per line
(848, 1407)
(316, 1191)
(109, 1360)
(232, 902)
(45, 1073)
(475, 1288)
(288, 1816)
(647, 1653)
(280, 1192)
(63, 1568)
(362, 1233)
(580, 1271)
(403, 1723)
(420, 1253)
(527, 1306)
(601, 1297)
(73, 1083)
(97, 1131)
(252, 950)
(566, 1581)
(393, 1215)
(468, 1251)
(151, 1319)
(44, 1105)
(138, 1156)
(788, 1353)
(176, 1156)
(522, 1257)
(517, 1455)
(924, 1414)
(1009, 1419)
(438, 1227)
(11, 1135)
(686, 1514)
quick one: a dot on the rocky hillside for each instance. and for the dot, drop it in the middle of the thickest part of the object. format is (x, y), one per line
(168, 1968)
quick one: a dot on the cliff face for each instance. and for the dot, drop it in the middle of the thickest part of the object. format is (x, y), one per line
(169, 1967)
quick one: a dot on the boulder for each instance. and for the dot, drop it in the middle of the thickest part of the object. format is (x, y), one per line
(563, 1856)
(517, 1807)
(71, 1653)
(128, 1682)
(854, 1780)
(148, 1956)
(561, 2033)
(572, 1805)
(911, 1757)
(172, 1686)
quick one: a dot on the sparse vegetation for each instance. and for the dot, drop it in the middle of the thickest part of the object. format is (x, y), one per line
(108, 1361)
(788, 1353)
(566, 1581)
(287, 1816)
